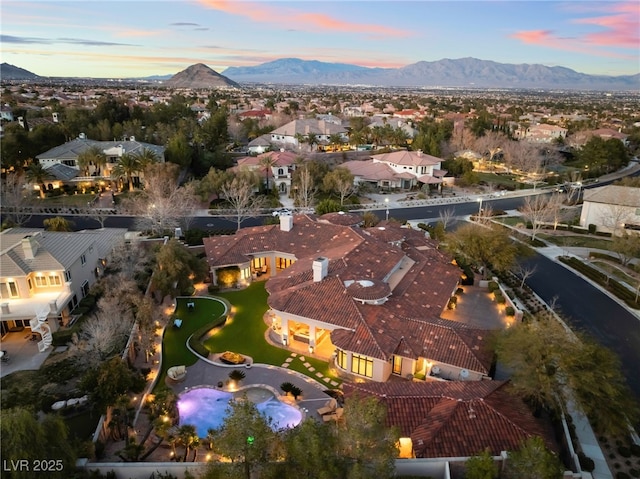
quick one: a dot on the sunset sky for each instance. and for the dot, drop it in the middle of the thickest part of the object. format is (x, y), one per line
(118, 39)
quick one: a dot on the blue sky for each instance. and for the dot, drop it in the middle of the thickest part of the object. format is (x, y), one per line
(139, 38)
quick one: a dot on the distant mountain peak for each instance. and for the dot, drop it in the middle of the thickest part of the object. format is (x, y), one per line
(199, 76)
(12, 72)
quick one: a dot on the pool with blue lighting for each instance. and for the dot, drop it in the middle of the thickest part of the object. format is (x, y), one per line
(206, 407)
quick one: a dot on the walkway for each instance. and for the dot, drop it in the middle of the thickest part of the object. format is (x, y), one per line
(321, 377)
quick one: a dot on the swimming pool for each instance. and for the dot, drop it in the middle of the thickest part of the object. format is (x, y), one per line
(206, 407)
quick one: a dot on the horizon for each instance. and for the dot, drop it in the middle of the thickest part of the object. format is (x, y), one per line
(133, 40)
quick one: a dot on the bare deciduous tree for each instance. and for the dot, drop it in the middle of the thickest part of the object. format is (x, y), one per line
(534, 210)
(446, 216)
(238, 190)
(163, 204)
(340, 180)
(305, 189)
(524, 272)
(15, 199)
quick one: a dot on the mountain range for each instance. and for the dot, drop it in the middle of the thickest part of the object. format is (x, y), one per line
(459, 73)
(463, 72)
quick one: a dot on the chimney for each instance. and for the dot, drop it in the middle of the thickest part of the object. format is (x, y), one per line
(419, 152)
(30, 247)
(286, 222)
(320, 268)
(21, 121)
(5, 308)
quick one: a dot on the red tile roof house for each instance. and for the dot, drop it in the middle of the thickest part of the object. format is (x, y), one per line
(370, 299)
(399, 169)
(455, 419)
(284, 163)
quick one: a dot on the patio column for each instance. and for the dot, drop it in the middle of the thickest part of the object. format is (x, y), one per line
(285, 330)
(214, 276)
(272, 264)
(312, 336)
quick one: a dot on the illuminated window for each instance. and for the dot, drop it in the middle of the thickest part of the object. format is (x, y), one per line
(342, 359)
(41, 281)
(362, 365)
(8, 290)
(54, 280)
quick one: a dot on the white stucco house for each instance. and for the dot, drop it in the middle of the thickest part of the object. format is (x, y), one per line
(611, 208)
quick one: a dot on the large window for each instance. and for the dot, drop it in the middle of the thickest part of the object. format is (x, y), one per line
(282, 263)
(85, 288)
(54, 280)
(362, 365)
(67, 275)
(83, 259)
(342, 359)
(41, 281)
(8, 290)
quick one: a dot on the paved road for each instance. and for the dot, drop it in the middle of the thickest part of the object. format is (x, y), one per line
(588, 309)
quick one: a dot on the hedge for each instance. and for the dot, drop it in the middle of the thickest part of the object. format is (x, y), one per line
(198, 347)
(603, 280)
(195, 341)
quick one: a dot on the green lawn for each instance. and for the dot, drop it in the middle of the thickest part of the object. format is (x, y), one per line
(579, 241)
(245, 334)
(174, 342)
(78, 201)
(504, 180)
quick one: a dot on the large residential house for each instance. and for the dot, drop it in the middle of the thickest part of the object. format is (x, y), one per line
(579, 139)
(289, 135)
(369, 299)
(397, 170)
(62, 161)
(454, 418)
(45, 274)
(541, 133)
(612, 209)
(280, 173)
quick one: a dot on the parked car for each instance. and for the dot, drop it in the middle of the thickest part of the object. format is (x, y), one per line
(282, 212)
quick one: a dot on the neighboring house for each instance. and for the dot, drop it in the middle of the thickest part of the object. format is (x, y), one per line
(541, 133)
(45, 274)
(281, 172)
(369, 299)
(611, 208)
(579, 139)
(67, 154)
(255, 115)
(455, 419)
(259, 145)
(289, 134)
(399, 169)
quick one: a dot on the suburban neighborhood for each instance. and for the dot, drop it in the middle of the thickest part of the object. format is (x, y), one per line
(307, 281)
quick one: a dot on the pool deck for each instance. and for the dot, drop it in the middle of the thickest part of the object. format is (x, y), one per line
(205, 373)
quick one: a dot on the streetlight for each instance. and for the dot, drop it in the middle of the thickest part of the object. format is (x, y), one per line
(386, 202)
(480, 205)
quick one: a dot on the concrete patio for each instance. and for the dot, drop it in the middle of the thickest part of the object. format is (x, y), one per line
(475, 308)
(22, 353)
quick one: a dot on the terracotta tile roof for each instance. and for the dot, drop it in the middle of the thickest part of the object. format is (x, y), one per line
(408, 158)
(341, 218)
(409, 319)
(456, 419)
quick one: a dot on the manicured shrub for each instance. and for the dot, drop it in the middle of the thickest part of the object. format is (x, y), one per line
(493, 286)
(459, 291)
(61, 338)
(509, 311)
(499, 297)
(622, 475)
(635, 450)
(624, 451)
(586, 463)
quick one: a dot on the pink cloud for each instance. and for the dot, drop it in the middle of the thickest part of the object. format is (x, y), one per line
(262, 13)
(619, 29)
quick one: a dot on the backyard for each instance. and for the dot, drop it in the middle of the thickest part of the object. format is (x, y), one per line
(244, 333)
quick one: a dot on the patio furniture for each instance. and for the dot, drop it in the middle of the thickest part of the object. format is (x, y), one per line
(177, 373)
(177, 323)
(334, 416)
(329, 407)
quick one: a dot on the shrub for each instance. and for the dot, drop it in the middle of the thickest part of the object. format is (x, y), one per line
(89, 301)
(624, 451)
(198, 347)
(459, 291)
(286, 387)
(213, 288)
(237, 375)
(295, 392)
(509, 311)
(635, 450)
(622, 475)
(493, 286)
(420, 376)
(586, 463)
(499, 297)
(634, 472)
(61, 338)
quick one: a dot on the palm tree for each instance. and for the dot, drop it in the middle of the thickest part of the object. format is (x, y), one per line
(93, 155)
(188, 437)
(335, 139)
(267, 162)
(128, 166)
(37, 174)
(147, 157)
